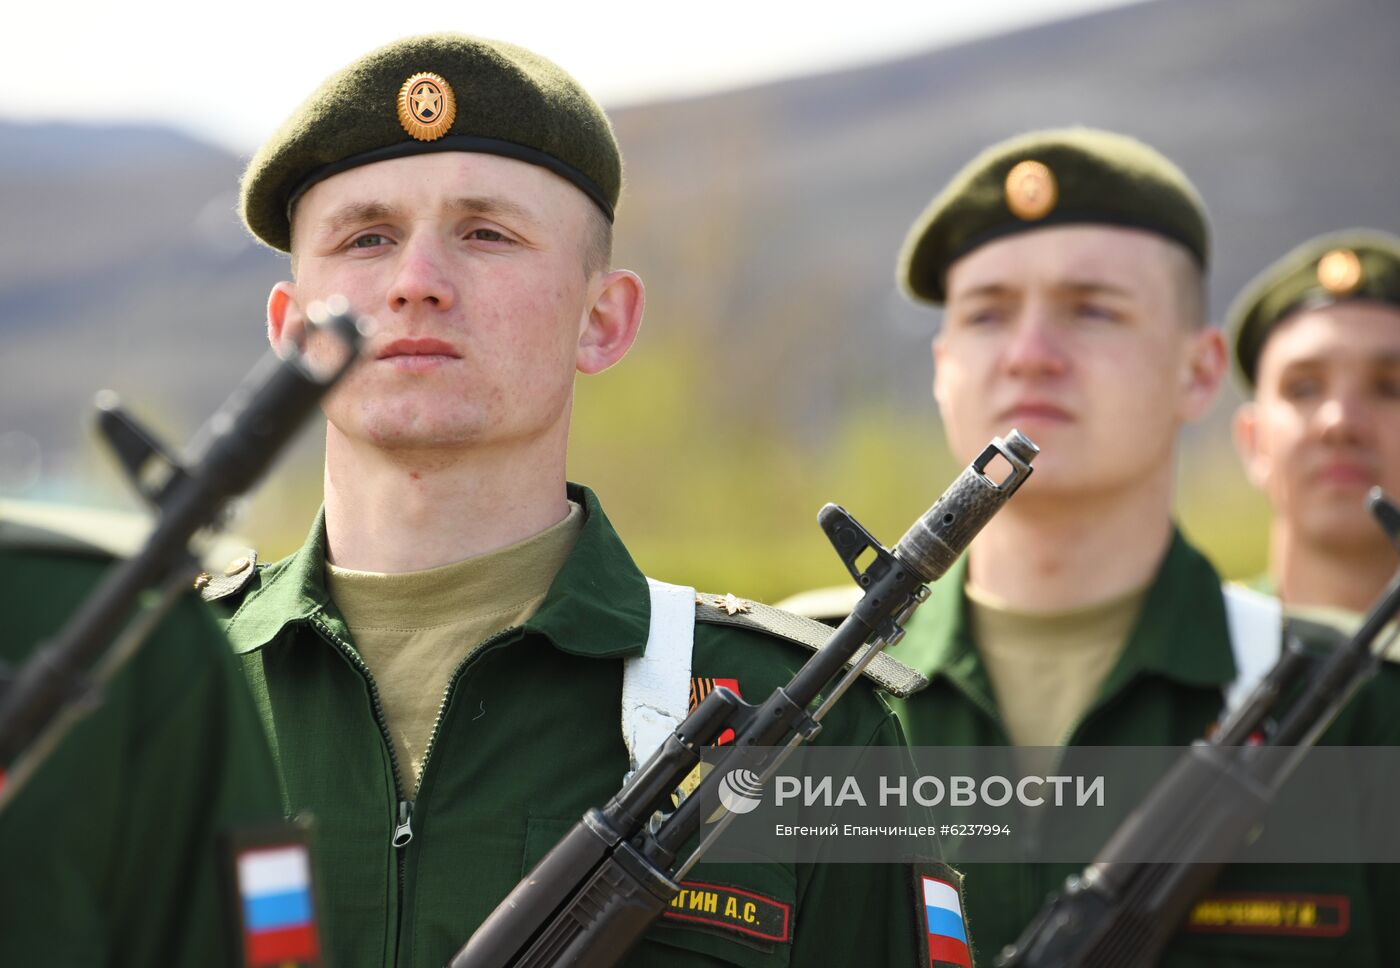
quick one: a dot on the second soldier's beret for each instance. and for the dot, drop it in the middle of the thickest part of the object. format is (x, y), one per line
(436, 92)
(1057, 177)
(1332, 268)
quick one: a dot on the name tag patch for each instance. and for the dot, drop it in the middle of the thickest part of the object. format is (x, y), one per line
(733, 910)
(1308, 915)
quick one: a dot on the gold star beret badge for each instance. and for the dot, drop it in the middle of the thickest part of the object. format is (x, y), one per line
(1031, 191)
(427, 106)
(1339, 271)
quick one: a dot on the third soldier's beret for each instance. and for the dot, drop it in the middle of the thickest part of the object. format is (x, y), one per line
(1066, 176)
(1340, 266)
(436, 92)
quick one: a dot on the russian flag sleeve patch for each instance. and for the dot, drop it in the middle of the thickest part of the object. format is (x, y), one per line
(276, 906)
(944, 924)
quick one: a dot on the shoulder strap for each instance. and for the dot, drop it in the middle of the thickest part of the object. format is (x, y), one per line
(1256, 638)
(237, 574)
(656, 684)
(885, 670)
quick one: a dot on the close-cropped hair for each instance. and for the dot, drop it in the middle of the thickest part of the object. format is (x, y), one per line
(597, 243)
(1189, 284)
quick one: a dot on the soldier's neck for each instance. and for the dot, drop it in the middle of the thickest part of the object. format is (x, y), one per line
(410, 511)
(1056, 553)
(1349, 577)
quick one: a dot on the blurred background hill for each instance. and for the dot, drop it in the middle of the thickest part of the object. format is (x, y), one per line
(777, 368)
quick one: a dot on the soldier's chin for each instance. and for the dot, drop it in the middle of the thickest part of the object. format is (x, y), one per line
(408, 433)
(426, 439)
(1070, 480)
(1342, 525)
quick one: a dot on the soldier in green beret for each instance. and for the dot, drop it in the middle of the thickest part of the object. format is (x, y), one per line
(1317, 347)
(463, 657)
(1070, 268)
(117, 851)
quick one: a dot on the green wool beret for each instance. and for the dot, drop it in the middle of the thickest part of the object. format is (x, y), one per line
(1332, 268)
(1067, 176)
(436, 92)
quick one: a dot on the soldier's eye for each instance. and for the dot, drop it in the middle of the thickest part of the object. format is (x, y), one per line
(487, 235)
(1098, 311)
(1389, 386)
(1300, 388)
(984, 316)
(368, 241)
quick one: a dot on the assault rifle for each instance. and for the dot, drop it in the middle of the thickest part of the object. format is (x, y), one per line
(593, 895)
(64, 677)
(1121, 912)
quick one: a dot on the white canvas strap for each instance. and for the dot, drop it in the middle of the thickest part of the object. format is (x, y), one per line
(1256, 638)
(656, 684)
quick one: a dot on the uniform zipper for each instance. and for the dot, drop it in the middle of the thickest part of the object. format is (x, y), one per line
(376, 707)
(1097, 707)
(403, 830)
(456, 677)
(985, 706)
(1029, 890)
(403, 827)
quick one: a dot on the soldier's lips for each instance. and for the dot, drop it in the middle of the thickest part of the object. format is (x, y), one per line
(419, 362)
(417, 355)
(1035, 412)
(1345, 474)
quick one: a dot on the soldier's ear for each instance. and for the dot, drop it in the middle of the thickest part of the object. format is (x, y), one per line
(609, 327)
(1203, 371)
(286, 324)
(1245, 429)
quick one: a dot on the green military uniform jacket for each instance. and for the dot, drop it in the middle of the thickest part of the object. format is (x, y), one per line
(527, 739)
(1166, 690)
(112, 854)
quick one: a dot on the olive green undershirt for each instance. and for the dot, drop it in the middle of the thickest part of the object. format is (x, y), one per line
(414, 628)
(1046, 668)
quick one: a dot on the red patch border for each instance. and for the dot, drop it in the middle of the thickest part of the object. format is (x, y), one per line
(1340, 901)
(786, 909)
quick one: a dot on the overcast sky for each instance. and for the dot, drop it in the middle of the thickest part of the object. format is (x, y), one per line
(230, 72)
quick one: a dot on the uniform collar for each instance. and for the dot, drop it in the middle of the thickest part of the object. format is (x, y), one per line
(597, 606)
(940, 638)
(1181, 634)
(289, 591)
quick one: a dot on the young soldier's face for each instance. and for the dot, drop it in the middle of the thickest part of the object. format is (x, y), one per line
(473, 267)
(1324, 427)
(1076, 336)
